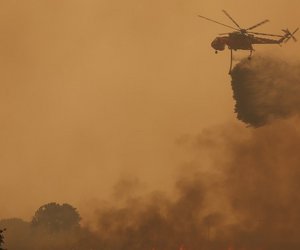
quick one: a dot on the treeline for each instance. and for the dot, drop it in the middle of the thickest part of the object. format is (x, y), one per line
(53, 226)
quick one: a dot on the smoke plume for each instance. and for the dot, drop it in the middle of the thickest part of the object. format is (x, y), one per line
(265, 88)
(240, 189)
(247, 199)
(248, 196)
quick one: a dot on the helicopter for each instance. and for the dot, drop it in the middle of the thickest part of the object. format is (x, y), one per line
(243, 39)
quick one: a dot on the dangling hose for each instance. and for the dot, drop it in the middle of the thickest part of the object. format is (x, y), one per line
(230, 62)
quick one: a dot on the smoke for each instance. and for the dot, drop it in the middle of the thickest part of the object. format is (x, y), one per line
(239, 189)
(157, 221)
(263, 176)
(21, 234)
(262, 181)
(265, 88)
(247, 199)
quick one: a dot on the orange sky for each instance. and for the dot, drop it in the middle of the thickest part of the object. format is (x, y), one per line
(93, 91)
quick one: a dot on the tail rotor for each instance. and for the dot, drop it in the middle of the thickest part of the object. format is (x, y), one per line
(290, 35)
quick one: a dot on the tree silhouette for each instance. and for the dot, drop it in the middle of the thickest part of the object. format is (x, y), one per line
(2, 238)
(55, 217)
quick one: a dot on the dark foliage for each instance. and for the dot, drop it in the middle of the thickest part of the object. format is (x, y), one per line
(55, 217)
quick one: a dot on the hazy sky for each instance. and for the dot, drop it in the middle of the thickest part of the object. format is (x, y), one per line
(94, 91)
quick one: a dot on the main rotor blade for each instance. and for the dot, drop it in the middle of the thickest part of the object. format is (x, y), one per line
(217, 22)
(264, 34)
(231, 19)
(256, 25)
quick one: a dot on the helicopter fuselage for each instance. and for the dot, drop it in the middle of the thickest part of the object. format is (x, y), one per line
(235, 41)
(239, 41)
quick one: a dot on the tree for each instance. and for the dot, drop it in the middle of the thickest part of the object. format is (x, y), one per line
(2, 238)
(18, 235)
(55, 217)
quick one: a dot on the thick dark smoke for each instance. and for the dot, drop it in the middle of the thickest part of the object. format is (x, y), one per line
(248, 199)
(263, 186)
(152, 222)
(265, 88)
(158, 222)
(240, 190)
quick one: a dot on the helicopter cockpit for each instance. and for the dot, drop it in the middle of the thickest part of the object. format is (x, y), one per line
(218, 44)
